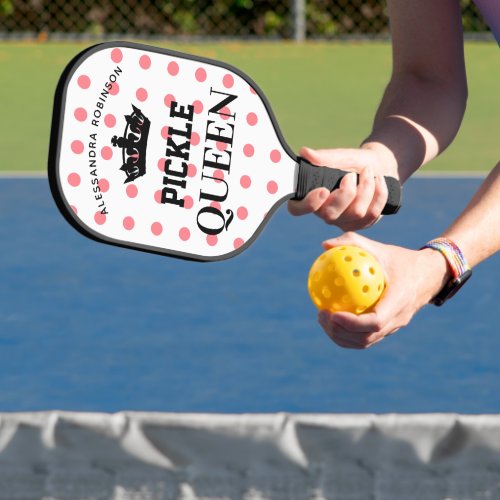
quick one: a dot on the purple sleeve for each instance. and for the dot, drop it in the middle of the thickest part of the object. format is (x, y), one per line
(490, 9)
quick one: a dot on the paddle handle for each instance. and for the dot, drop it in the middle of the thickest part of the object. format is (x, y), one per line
(311, 177)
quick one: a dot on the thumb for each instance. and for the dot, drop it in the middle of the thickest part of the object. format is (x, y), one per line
(339, 157)
(349, 238)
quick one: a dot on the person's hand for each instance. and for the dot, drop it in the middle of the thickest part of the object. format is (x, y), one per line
(351, 206)
(413, 278)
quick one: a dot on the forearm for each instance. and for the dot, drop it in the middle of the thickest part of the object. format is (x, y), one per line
(424, 103)
(416, 120)
(477, 230)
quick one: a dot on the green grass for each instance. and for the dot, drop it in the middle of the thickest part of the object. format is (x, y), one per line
(323, 94)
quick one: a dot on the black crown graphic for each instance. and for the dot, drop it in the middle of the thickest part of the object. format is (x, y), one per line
(133, 144)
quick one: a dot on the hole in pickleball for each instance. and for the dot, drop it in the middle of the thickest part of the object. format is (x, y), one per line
(346, 299)
(379, 287)
(327, 293)
(372, 270)
(366, 289)
(336, 306)
(360, 309)
(339, 281)
(317, 276)
(362, 254)
(348, 258)
(356, 273)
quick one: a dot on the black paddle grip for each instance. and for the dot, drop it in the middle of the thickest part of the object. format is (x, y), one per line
(311, 177)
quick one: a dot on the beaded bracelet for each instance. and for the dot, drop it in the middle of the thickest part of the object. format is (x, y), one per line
(459, 267)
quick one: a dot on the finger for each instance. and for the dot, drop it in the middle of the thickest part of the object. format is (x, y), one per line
(365, 191)
(384, 318)
(338, 201)
(311, 203)
(344, 344)
(380, 195)
(362, 340)
(342, 340)
(362, 324)
(338, 334)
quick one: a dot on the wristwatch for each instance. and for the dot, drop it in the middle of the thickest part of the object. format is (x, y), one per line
(460, 270)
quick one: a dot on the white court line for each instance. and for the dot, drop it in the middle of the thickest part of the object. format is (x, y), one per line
(23, 175)
(454, 174)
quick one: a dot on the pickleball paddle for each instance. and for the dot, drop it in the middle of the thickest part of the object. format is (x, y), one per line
(170, 153)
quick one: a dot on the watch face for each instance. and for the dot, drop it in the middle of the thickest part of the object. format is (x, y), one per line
(451, 288)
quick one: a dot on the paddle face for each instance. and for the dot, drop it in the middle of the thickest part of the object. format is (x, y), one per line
(164, 152)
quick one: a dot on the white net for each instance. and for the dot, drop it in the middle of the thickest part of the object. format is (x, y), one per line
(153, 456)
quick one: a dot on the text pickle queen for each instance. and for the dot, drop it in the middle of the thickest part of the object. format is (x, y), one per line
(219, 128)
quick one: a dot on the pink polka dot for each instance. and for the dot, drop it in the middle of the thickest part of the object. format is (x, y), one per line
(131, 190)
(252, 90)
(110, 120)
(242, 213)
(248, 150)
(195, 139)
(128, 223)
(74, 209)
(216, 205)
(115, 88)
(99, 218)
(201, 75)
(141, 94)
(252, 119)
(275, 156)
(173, 68)
(221, 146)
(168, 100)
(212, 240)
(228, 81)
(104, 185)
(198, 107)
(161, 164)
(74, 179)
(156, 228)
(164, 132)
(83, 81)
(116, 55)
(218, 174)
(80, 114)
(158, 196)
(106, 153)
(245, 181)
(237, 243)
(184, 234)
(191, 170)
(145, 62)
(225, 113)
(77, 147)
(188, 202)
(272, 187)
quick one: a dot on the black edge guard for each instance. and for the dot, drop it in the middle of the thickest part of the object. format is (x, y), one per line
(311, 177)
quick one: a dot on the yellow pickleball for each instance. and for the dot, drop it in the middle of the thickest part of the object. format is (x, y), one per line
(346, 278)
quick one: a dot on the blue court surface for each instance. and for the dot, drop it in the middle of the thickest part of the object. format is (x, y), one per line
(90, 327)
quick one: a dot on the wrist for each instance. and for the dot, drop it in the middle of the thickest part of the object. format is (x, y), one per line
(387, 160)
(437, 272)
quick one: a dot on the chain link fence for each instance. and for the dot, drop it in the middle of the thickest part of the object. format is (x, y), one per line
(282, 19)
